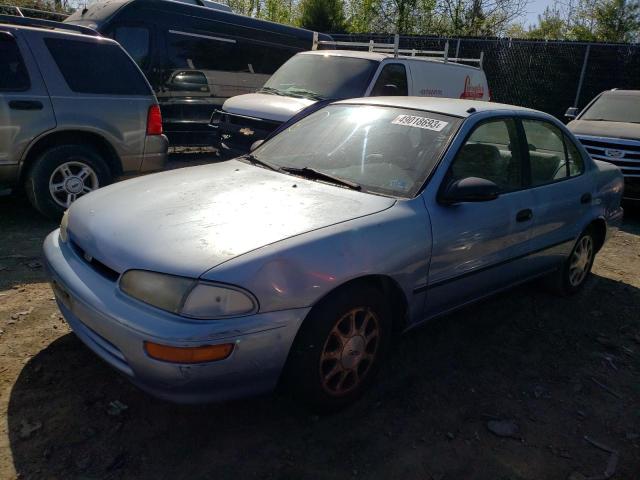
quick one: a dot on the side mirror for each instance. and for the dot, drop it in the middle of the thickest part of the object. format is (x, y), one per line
(470, 189)
(255, 145)
(389, 90)
(189, 81)
(572, 112)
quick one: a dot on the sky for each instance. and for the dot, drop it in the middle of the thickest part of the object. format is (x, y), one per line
(535, 8)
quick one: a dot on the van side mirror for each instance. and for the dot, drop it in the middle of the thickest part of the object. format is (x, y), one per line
(389, 90)
(470, 189)
(572, 112)
(189, 81)
(255, 145)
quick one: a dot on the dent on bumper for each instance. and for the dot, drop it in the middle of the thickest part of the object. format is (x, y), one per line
(115, 327)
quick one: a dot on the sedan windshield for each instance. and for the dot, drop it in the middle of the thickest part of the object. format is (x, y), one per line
(321, 77)
(377, 149)
(616, 107)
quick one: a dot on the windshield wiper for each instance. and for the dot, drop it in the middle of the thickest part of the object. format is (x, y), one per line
(272, 91)
(303, 92)
(312, 173)
(256, 161)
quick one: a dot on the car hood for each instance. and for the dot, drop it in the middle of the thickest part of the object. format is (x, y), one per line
(630, 131)
(267, 107)
(187, 221)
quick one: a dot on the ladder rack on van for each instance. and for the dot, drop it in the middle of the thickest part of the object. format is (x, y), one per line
(397, 51)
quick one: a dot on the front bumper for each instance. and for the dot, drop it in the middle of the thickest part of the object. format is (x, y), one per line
(115, 326)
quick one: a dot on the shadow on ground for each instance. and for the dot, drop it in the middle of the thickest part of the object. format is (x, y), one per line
(525, 356)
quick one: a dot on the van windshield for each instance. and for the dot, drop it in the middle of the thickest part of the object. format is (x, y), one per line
(385, 150)
(618, 107)
(321, 77)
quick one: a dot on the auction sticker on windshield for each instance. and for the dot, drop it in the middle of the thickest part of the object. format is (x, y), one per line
(420, 122)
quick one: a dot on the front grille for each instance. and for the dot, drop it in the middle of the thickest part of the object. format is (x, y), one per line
(259, 124)
(623, 153)
(99, 267)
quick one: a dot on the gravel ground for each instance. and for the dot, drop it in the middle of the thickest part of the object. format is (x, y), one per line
(522, 386)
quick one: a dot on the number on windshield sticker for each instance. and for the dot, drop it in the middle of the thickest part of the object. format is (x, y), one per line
(420, 122)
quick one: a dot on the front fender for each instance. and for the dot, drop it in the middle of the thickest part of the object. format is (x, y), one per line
(297, 272)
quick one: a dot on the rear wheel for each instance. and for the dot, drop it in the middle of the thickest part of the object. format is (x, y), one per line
(339, 348)
(575, 271)
(63, 174)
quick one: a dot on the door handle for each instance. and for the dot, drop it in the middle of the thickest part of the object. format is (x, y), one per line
(524, 215)
(25, 105)
(586, 198)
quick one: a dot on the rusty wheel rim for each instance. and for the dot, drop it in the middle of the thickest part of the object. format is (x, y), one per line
(349, 351)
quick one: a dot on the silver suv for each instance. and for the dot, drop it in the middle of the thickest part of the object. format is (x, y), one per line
(75, 113)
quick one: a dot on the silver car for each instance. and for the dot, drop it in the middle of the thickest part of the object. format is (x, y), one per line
(75, 113)
(298, 262)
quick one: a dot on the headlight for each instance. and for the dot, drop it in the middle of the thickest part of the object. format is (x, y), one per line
(63, 226)
(186, 296)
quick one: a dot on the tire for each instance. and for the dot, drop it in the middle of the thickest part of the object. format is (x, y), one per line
(62, 174)
(576, 269)
(339, 348)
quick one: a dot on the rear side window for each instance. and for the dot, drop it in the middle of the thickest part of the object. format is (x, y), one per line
(135, 40)
(576, 162)
(13, 73)
(197, 51)
(93, 67)
(391, 81)
(547, 153)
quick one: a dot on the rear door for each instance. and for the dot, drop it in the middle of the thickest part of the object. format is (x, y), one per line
(562, 193)
(25, 107)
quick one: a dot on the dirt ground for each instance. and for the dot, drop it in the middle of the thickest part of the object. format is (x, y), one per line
(547, 373)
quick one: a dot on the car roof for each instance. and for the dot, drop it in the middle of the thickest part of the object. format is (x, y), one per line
(379, 56)
(615, 91)
(447, 106)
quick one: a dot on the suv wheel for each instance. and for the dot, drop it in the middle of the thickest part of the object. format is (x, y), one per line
(62, 174)
(339, 348)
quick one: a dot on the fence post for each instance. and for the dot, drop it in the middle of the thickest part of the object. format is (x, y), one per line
(458, 49)
(584, 69)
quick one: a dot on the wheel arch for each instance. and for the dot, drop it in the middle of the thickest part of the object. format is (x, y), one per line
(398, 302)
(599, 227)
(68, 137)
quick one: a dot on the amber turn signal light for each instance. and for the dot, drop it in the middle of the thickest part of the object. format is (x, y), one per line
(203, 353)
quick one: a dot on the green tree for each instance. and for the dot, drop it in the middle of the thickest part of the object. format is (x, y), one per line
(322, 15)
(617, 21)
(551, 25)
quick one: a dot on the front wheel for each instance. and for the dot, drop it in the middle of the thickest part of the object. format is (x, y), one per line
(339, 348)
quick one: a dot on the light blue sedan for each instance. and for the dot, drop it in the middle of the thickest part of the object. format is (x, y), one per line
(296, 264)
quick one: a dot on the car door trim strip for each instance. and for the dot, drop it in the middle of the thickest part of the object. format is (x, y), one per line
(440, 283)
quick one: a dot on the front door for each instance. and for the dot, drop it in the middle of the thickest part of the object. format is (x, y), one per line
(25, 107)
(480, 247)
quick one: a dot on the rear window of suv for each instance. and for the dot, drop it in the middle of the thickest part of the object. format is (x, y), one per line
(13, 73)
(93, 67)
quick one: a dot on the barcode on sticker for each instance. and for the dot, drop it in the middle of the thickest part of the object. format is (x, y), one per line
(420, 122)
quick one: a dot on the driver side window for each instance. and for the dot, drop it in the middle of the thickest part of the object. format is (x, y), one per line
(391, 81)
(491, 153)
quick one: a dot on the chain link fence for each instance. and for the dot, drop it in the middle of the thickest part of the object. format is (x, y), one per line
(546, 75)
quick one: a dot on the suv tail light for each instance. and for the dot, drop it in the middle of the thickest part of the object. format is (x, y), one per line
(154, 121)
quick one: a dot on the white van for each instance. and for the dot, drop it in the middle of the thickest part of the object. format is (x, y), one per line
(321, 76)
